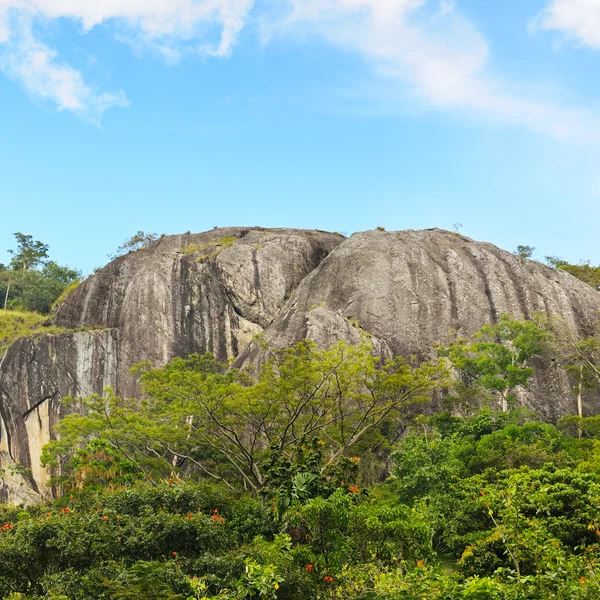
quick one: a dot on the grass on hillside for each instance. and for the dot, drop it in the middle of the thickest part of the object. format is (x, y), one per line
(72, 286)
(15, 324)
(210, 249)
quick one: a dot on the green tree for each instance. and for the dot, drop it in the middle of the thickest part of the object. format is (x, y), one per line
(33, 283)
(525, 251)
(29, 290)
(139, 240)
(497, 358)
(583, 271)
(223, 424)
(29, 253)
(64, 275)
(580, 356)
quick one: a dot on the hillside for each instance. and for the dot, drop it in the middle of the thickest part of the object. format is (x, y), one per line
(214, 291)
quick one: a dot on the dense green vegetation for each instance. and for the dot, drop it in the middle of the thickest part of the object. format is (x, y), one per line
(320, 477)
(324, 474)
(584, 270)
(496, 505)
(32, 282)
(29, 288)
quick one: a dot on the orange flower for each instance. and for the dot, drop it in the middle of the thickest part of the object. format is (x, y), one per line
(309, 568)
(105, 518)
(355, 459)
(174, 553)
(582, 580)
(328, 579)
(65, 510)
(354, 489)
(420, 564)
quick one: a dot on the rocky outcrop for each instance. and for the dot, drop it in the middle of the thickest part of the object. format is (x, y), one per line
(214, 291)
(35, 374)
(183, 294)
(412, 289)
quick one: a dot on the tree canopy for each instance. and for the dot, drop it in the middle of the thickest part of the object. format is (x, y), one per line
(584, 270)
(29, 253)
(200, 417)
(33, 282)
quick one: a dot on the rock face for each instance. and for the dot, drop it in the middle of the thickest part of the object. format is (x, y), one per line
(214, 291)
(410, 289)
(207, 292)
(35, 373)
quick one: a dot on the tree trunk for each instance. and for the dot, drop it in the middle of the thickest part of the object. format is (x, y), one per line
(6, 297)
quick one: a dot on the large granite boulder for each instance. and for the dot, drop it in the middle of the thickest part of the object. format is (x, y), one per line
(413, 289)
(207, 292)
(214, 291)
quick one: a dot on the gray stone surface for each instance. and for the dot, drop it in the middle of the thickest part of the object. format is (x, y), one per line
(214, 291)
(412, 289)
(35, 373)
(207, 292)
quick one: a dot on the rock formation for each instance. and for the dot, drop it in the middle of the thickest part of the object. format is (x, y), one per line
(208, 292)
(214, 291)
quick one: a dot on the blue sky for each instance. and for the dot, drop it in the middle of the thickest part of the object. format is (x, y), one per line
(344, 115)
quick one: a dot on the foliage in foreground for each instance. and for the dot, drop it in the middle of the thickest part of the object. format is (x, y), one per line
(446, 525)
(326, 482)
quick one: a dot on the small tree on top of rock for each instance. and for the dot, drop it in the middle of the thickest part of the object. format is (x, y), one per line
(136, 242)
(525, 251)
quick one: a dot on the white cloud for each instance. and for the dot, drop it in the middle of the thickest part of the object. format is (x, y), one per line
(170, 27)
(579, 19)
(426, 46)
(441, 55)
(166, 22)
(34, 66)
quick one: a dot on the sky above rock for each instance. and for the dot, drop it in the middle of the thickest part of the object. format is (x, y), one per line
(176, 115)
